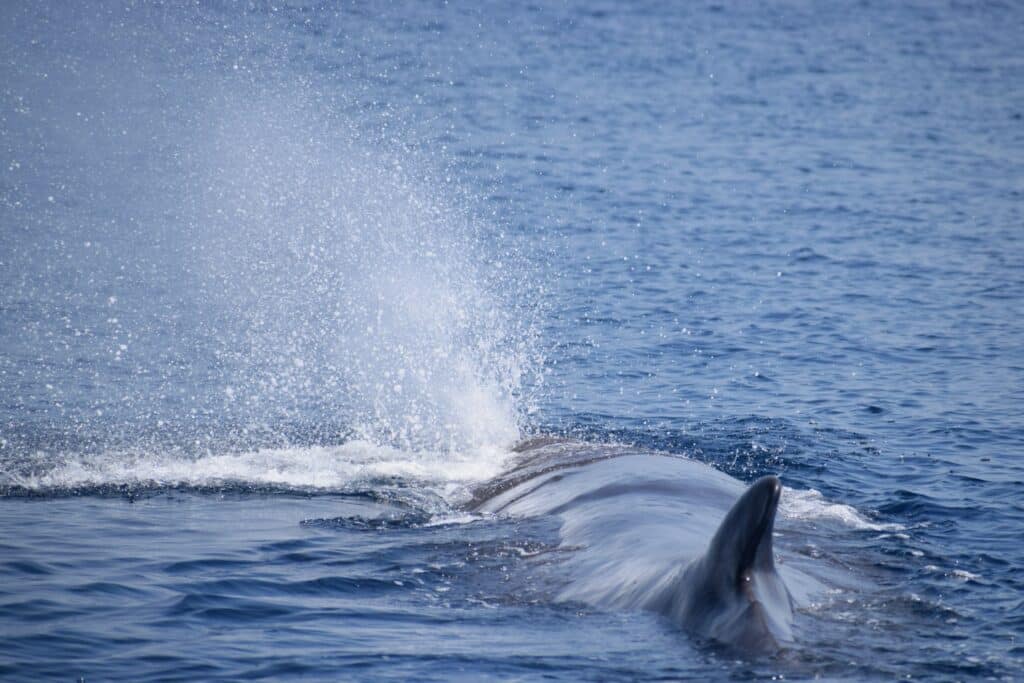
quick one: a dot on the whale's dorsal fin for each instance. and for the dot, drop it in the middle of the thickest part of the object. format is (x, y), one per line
(735, 596)
(743, 542)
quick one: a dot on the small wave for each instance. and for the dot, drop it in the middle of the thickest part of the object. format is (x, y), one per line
(454, 519)
(965, 575)
(809, 504)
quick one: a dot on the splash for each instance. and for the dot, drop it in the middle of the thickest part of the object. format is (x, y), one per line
(355, 281)
(214, 250)
(312, 272)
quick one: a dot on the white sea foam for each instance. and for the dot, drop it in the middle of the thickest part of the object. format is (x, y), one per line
(453, 519)
(811, 505)
(965, 575)
(316, 468)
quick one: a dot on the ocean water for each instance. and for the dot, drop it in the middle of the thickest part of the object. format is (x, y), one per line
(282, 283)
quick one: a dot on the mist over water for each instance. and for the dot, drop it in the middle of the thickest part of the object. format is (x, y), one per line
(352, 281)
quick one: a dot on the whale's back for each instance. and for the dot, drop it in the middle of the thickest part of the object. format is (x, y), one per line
(640, 526)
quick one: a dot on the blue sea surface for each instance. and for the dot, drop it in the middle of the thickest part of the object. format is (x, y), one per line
(282, 282)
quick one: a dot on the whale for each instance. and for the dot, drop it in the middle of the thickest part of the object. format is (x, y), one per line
(664, 533)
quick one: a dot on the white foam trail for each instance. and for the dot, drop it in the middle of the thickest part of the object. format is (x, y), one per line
(317, 468)
(810, 505)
